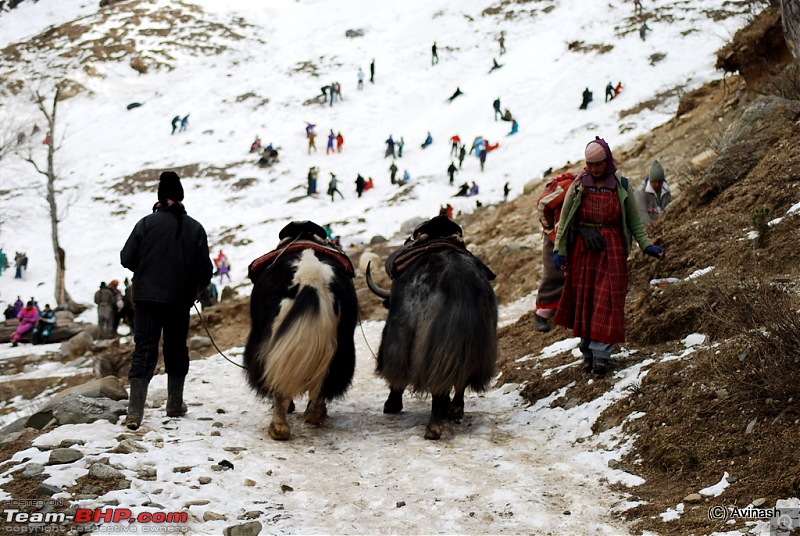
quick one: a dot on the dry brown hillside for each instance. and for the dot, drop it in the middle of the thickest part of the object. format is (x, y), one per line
(733, 152)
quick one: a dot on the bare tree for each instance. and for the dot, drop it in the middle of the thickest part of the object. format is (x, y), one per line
(63, 298)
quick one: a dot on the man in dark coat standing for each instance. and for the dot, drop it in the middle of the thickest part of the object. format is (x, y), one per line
(168, 255)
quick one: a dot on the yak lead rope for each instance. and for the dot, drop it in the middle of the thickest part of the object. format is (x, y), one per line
(203, 321)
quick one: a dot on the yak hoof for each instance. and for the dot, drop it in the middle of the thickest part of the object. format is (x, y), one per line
(456, 413)
(433, 431)
(279, 432)
(316, 415)
(394, 403)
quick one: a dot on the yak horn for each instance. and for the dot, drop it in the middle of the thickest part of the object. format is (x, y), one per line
(378, 291)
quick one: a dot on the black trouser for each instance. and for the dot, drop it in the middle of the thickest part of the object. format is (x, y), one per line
(150, 318)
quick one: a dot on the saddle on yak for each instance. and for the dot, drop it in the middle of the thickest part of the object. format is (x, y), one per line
(299, 235)
(435, 234)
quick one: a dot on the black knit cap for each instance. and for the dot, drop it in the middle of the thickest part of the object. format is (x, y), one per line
(169, 187)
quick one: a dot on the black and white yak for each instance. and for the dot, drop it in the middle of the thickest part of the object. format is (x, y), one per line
(440, 334)
(303, 312)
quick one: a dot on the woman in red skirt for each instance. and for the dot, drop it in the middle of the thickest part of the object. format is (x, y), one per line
(598, 219)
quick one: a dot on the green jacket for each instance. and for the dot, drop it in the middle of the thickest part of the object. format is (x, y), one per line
(631, 222)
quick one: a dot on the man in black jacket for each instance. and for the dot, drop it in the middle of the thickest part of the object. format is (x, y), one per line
(168, 255)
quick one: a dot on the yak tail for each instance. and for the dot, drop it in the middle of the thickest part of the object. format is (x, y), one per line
(299, 351)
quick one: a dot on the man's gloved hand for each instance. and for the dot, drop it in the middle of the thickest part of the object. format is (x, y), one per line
(560, 262)
(592, 238)
(654, 251)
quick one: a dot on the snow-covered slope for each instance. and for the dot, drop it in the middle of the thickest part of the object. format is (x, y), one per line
(242, 68)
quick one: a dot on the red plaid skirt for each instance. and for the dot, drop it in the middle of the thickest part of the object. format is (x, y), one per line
(593, 301)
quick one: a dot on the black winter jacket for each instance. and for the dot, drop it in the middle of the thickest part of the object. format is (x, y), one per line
(167, 267)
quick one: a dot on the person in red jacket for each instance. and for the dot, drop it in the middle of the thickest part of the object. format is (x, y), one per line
(456, 143)
(549, 209)
(339, 142)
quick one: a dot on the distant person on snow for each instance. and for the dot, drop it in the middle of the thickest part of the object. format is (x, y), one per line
(507, 115)
(400, 145)
(361, 77)
(311, 135)
(451, 171)
(457, 93)
(609, 92)
(427, 141)
(360, 183)
(389, 147)
(312, 180)
(514, 128)
(184, 123)
(331, 138)
(434, 54)
(474, 190)
(339, 142)
(28, 317)
(618, 89)
(175, 122)
(223, 267)
(372, 72)
(496, 106)
(405, 179)
(333, 187)
(256, 145)
(462, 152)
(456, 141)
(463, 190)
(495, 65)
(393, 172)
(506, 190)
(587, 98)
(482, 156)
(502, 42)
(643, 31)
(47, 321)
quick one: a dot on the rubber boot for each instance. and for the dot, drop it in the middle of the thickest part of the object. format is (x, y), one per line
(600, 366)
(175, 405)
(136, 402)
(588, 362)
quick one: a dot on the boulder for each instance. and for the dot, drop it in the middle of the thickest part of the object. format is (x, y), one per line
(408, 226)
(367, 257)
(252, 528)
(108, 387)
(77, 345)
(77, 409)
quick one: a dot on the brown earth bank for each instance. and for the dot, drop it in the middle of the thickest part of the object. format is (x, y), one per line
(731, 406)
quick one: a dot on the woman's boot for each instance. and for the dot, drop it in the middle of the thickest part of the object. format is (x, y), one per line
(175, 405)
(136, 402)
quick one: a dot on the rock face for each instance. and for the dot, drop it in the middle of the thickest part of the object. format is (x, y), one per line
(790, 14)
(746, 141)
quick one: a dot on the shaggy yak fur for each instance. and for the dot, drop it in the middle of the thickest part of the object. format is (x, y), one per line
(440, 334)
(303, 312)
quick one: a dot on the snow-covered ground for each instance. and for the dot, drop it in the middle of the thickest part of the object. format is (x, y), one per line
(508, 468)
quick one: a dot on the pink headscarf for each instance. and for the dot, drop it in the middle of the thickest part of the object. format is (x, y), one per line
(595, 152)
